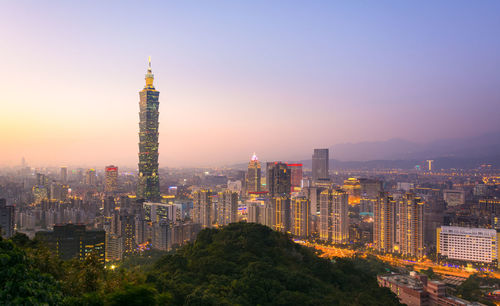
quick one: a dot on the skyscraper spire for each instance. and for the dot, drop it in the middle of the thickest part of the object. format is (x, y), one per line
(149, 76)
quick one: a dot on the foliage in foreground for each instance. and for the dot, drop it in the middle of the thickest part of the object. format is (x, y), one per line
(241, 264)
(249, 264)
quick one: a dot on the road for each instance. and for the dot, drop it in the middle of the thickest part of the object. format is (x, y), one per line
(332, 252)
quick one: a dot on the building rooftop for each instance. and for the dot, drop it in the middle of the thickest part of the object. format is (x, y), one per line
(404, 280)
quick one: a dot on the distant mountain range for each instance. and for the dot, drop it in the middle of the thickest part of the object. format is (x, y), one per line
(483, 146)
(464, 153)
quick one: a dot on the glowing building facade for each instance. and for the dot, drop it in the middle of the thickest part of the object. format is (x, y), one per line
(227, 207)
(411, 225)
(253, 183)
(468, 244)
(334, 219)
(281, 213)
(301, 221)
(296, 175)
(278, 179)
(148, 186)
(111, 178)
(384, 226)
(203, 212)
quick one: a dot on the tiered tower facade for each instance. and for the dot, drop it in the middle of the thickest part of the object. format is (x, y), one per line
(148, 186)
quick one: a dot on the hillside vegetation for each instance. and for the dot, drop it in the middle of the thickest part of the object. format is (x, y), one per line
(241, 264)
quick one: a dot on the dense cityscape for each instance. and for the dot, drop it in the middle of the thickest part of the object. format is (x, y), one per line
(383, 222)
(446, 220)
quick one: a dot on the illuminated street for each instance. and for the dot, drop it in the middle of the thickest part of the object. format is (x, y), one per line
(332, 252)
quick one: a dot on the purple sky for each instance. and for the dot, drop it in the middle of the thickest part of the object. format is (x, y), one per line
(275, 77)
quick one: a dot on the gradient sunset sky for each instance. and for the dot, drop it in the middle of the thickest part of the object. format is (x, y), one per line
(275, 77)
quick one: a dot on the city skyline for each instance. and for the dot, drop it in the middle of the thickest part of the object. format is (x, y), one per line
(374, 177)
(315, 76)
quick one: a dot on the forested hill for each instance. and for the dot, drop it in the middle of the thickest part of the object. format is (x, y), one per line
(249, 264)
(241, 264)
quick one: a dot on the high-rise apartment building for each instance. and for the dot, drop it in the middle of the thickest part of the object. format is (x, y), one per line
(7, 217)
(301, 217)
(253, 177)
(295, 175)
(127, 231)
(384, 222)
(255, 210)
(161, 237)
(148, 186)
(260, 211)
(114, 247)
(278, 179)
(110, 179)
(156, 212)
(334, 219)
(166, 234)
(227, 207)
(320, 161)
(411, 225)
(313, 194)
(281, 213)
(202, 212)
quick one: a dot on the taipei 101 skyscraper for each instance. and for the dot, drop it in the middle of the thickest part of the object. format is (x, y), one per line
(148, 186)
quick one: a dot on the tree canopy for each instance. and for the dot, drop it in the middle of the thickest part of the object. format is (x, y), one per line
(240, 264)
(250, 264)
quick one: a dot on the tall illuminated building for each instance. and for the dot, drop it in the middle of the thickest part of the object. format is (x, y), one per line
(148, 186)
(111, 178)
(295, 175)
(203, 212)
(334, 219)
(429, 164)
(411, 225)
(127, 231)
(384, 226)
(301, 221)
(253, 183)
(353, 187)
(227, 207)
(261, 211)
(281, 213)
(278, 179)
(320, 160)
(114, 247)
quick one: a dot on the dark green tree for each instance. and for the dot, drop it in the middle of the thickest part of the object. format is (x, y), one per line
(21, 283)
